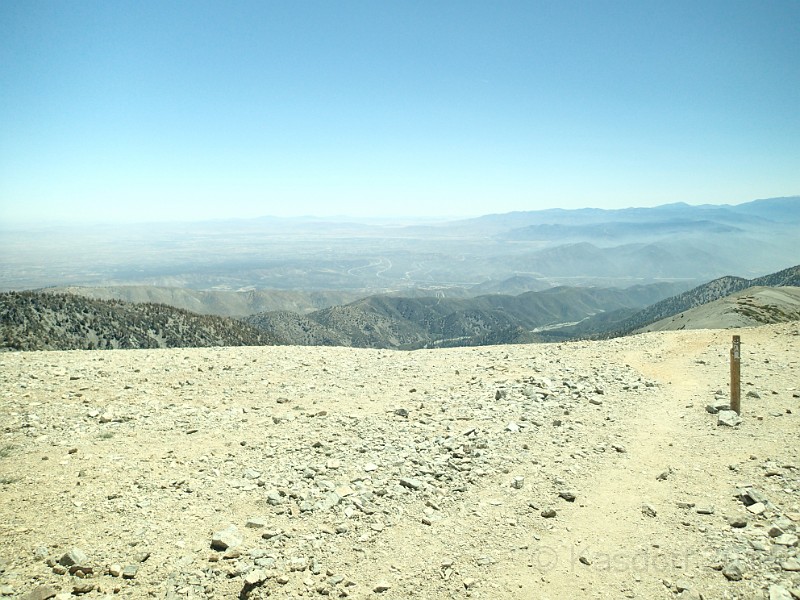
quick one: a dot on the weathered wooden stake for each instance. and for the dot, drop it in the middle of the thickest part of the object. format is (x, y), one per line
(736, 389)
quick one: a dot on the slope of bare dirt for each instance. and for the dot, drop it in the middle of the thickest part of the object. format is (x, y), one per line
(580, 470)
(749, 308)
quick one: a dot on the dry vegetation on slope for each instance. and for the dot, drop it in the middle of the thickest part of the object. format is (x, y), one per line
(46, 321)
(581, 470)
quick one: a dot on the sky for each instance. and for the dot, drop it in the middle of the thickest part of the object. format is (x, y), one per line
(160, 110)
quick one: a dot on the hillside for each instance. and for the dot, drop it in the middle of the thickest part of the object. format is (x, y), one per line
(575, 470)
(751, 307)
(213, 302)
(403, 322)
(703, 294)
(47, 321)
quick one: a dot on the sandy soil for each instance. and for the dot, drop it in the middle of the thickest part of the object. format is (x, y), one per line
(580, 470)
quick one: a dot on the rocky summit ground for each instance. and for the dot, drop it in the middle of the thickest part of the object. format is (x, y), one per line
(580, 470)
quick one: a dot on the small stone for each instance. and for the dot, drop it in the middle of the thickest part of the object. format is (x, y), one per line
(584, 561)
(757, 509)
(728, 418)
(282, 579)
(42, 592)
(732, 571)
(410, 483)
(682, 585)
(274, 498)
(82, 587)
(705, 510)
(255, 523)
(778, 592)
(787, 539)
(255, 577)
(548, 513)
(518, 482)
(75, 556)
(129, 572)
(791, 564)
(268, 535)
(648, 510)
(115, 570)
(381, 587)
(226, 538)
(751, 495)
(469, 583)
(737, 522)
(774, 531)
(370, 467)
(568, 495)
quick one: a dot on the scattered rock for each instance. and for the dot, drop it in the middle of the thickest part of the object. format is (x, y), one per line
(791, 564)
(226, 538)
(410, 483)
(75, 556)
(129, 572)
(648, 510)
(82, 586)
(778, 592)
(255, 523)
(737, 522)
(42, 592)
(728, 418)
(733, 571)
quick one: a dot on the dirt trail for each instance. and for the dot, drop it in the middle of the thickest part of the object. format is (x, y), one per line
(630, 554)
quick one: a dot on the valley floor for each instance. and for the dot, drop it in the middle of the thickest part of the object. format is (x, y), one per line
(578, 470)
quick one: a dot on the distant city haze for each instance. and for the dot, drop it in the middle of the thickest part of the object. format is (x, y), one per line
(152, 111)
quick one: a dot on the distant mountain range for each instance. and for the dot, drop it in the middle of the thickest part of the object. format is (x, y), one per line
(341, 261)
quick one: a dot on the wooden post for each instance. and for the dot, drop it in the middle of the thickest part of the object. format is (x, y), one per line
(736, 389)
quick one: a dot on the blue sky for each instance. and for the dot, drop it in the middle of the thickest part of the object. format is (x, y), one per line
(170, 110)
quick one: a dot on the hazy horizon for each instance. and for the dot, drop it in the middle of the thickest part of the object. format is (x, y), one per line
(153, 111)
(388, 219)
